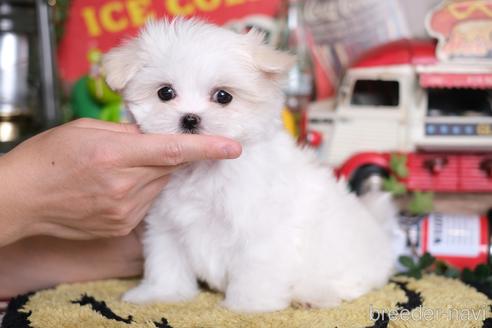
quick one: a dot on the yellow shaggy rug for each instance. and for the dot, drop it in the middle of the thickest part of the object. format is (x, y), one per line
(429, 302)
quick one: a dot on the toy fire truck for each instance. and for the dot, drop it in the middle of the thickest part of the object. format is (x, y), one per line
(428, 100)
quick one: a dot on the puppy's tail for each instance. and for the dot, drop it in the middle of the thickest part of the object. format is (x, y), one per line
(383, 209)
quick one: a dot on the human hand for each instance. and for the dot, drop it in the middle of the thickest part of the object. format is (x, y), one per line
(89, 179)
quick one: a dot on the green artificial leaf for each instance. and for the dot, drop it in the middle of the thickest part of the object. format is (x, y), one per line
(398, 165)
(417, 274)
(452, 272)
(426, 261)
(394, 186)
(482, 272)
(440, 268)
(468, 276)
(421, 203)
(407, 262)
(443, 269)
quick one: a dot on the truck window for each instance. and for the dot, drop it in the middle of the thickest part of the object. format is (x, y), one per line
(459, 102)
(376, 93)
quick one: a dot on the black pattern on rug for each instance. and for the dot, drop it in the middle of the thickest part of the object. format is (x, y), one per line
(163, 324)
(382, 321)
(414, 300)
(101, 308)
(14, 318)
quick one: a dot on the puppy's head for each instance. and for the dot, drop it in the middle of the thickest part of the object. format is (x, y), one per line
(186, 76)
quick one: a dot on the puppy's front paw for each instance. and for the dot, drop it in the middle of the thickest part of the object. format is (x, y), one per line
(146, 293)
(257, 305)
(301, 305)
(140, 295)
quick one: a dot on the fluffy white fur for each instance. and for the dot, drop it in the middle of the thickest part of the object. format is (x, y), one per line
(267, 229)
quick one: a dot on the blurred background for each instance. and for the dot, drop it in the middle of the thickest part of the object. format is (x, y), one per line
(373, 92)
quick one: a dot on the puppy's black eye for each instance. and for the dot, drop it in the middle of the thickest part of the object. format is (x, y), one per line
(222, 97)
(166, 93)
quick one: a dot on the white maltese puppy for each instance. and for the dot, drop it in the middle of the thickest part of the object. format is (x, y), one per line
(267, 229)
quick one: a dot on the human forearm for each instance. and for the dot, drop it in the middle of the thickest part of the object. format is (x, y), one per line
(42, 262)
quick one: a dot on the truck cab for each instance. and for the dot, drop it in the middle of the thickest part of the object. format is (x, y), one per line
(400, 98)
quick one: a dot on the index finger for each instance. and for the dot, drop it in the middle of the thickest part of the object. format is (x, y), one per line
(175, 149)
(89, 123)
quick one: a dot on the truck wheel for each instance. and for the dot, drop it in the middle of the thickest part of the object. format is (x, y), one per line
(368, 178)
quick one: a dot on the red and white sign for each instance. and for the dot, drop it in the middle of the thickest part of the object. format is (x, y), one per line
(102, 24)
(463, 28)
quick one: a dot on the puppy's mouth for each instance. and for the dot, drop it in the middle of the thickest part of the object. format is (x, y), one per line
(190, 131)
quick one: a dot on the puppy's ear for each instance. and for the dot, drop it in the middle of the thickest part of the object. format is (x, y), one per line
(121, 63)
(272, 62)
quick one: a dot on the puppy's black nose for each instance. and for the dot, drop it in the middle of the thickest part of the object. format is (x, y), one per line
(190, 122)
